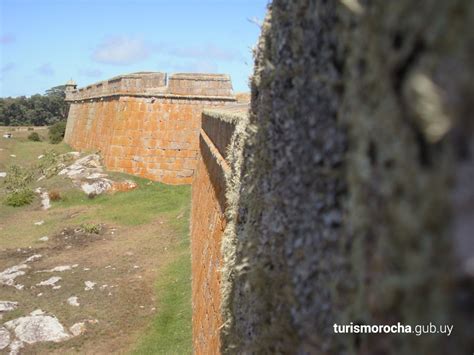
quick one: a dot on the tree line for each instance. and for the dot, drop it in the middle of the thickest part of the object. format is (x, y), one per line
(36, 110)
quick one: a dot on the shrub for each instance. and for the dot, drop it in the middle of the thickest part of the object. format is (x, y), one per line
(56, 132)
(18, 178)
(31, 129)
(20, 197)
(54, 195)
(48, 164)
(34, 137)
(92, 228)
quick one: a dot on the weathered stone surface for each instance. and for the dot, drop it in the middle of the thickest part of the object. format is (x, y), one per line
(77, 329)
(8, 276)
(45, 200)
(4, 338)
(354, 203)
(50, 282)
(37, 328)
(214, 191)
(6, 306)
(146, 131)
(73, 301)
(89, 285)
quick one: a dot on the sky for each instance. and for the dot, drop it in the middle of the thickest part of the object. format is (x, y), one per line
(44, 43)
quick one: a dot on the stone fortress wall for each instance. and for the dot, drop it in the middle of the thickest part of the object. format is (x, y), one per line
(219, 139)
(146, 124)
(348, 192)
(344, 195)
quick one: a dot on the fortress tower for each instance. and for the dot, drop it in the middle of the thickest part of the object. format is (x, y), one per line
(70, 86)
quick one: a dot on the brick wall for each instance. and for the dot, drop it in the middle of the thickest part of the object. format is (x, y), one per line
(146, 124)
(209, 222)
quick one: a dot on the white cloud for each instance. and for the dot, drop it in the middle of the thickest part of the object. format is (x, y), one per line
(91, 73)
(199, 66)
(45, 69)
(206, 51)
(121, 50)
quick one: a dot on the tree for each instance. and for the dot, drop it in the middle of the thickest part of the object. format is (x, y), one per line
(38, 110)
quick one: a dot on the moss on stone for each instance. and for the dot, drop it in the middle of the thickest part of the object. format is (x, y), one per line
(343, 207)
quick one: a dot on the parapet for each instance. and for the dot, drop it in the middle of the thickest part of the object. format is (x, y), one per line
(155, 84)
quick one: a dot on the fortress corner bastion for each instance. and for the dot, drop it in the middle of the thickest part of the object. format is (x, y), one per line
(146, 124)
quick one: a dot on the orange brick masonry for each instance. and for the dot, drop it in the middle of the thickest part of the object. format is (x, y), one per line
(150, 132)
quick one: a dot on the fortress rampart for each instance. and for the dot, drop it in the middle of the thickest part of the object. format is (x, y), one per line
(346, 195)
(220, 135)
(146, 124)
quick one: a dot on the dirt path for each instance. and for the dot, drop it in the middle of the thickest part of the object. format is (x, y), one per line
(80, 277)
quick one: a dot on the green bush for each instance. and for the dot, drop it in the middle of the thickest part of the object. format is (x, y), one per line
(20, 197)
(18, 178)
(34, 137)
(56, 132)
(92, 228)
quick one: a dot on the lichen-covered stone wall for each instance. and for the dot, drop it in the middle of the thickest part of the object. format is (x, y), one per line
(146, 124)
(212, 237)
(355, 202)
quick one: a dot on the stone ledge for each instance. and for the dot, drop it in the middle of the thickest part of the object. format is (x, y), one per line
(194, 86)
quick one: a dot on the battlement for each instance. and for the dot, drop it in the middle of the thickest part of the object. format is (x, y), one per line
(155, 84)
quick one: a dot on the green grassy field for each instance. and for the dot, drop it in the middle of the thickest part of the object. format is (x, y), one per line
(144, 251)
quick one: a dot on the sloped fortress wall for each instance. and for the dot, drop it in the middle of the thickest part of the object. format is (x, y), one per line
(354, 201)
(146, 124)
(220, 135)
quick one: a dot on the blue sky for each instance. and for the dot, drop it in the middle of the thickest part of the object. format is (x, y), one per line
(43, 43)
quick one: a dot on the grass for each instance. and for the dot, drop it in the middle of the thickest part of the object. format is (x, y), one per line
(151, 221)
(27, 152)
(170, 332)
(134, 207)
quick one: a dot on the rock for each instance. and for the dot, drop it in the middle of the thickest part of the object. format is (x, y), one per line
(37, 312)
(73, 301)
(15, 347)
(89, 285)
(37, 328)
(4, 338)
(13, 155)
(74, 154)
(3, 174)
(45, 200)
(87, 173)
(41, 156)
(44, 239)
(97, 187)
(33, 258)
(6, 306)
(96, 176)
(77, 329)
(126, 185)
(49, 282)
(60, 268)
(39, 223)
(8, 276)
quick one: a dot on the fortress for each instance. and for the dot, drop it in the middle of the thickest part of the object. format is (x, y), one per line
(146, 124)
(343, 195)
